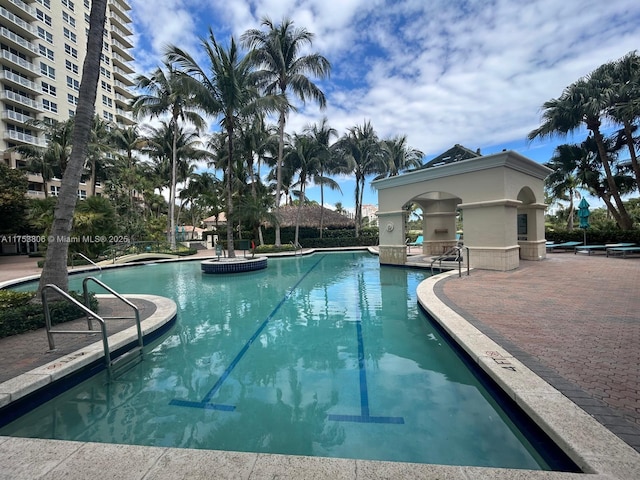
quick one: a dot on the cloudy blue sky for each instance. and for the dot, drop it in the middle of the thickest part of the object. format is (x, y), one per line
(473, 72)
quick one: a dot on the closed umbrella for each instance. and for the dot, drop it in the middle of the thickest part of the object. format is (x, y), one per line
(583, 216)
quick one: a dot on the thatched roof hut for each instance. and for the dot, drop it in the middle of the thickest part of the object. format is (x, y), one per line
(310, 217)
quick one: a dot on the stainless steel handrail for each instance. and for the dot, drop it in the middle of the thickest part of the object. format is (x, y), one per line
(90, 314)
(454, 250)
(88, 260)
(136, 310)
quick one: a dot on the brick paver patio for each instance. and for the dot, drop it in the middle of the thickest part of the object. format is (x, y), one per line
(574, 320)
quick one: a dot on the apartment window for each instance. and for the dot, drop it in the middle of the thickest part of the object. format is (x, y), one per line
(105, 72)
(69, 35)
(105, 86)
(49, 106)
(107, 101)
(43, 17)
(48, 88)
(44, 35)
(87, 4)
(45, 3)
(68, 19)
(69, 50)
(107, 116)
(72, 113)
(47, 70)
(54, 190)
(73, 83)
(46, 52)
(72, 99)
(104, 58)
(87, 18)
(69, 4)
(82, 194)
(72, 67)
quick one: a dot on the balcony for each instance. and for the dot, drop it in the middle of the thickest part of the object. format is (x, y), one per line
(12, 78)
(117, 34)
(122, 4)
(17, 117)
(120, 23)
(124, 117)
(120, 49)
(21, 100)
(18, 42)
(18, 63)
(23, 28)
(121, 62)
(22, 9)
(123, 76)
(20, 137)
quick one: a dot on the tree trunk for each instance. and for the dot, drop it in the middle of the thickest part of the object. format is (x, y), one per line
(625, 222)
(231, 252)
(55, 267)
(632, 151)
(281, 122)
(172, 191)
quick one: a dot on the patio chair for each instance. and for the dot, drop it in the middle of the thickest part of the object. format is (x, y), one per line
(562, 246)
(417, 243)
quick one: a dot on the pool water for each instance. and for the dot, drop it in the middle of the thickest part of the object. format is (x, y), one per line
(323, 355)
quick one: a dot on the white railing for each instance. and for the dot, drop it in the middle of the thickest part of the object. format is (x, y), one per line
(19, 40)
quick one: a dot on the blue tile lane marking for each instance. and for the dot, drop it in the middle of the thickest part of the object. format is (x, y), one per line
(364, 416)
(207, 398)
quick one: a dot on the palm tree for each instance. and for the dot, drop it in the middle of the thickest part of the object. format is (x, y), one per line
(55, 267)
(362, 149)
(625, 102)
(399, 156)
(585, 102)
(563, 183)
(167, 94)
(51, 160)
(328, 164)
(228, 92)
(284, 69)
(99, 147)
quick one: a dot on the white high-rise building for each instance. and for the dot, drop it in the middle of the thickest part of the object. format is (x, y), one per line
(43, 45)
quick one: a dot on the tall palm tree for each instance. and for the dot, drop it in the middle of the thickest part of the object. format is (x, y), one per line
(51, 160)
(362, 149)
(225, 88)
(303, 158)
(399, 156)
(167, 94)
(328, 164)
(283, 69)
(55, 267)
(585, 102)
(563, 183)
(625, 102)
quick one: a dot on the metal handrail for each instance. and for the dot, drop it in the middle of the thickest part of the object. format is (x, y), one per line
(90, 314)
(296, 246)
(88, 260)
(136, 310)
(454, 250)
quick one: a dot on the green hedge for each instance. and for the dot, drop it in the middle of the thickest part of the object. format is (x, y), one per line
(18, 315)
(594, 236)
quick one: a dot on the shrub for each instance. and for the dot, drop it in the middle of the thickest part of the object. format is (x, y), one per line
(21, 316)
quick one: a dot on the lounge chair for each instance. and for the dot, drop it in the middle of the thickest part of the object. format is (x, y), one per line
(590, 248)
(612, 251)
(417, 243)
(562, 246)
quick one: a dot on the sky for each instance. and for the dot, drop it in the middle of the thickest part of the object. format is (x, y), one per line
(441, 72)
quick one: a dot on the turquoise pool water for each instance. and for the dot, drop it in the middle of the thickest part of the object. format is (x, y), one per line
(324, 355)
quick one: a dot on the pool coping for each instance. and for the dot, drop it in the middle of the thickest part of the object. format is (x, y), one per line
(590, 445)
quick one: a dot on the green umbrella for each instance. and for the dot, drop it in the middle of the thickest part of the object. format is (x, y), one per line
(583, 216)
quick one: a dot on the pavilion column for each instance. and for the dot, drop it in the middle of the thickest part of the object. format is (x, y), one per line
(490, 233)
(393, 247)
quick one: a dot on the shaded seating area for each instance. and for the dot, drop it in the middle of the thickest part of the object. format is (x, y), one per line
(565, 246)
(622, 251)
(588, 249)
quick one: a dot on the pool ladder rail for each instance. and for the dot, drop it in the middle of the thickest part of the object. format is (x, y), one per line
(456, 254)
(114, 366)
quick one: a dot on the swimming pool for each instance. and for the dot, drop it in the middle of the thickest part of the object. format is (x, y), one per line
(324, 355)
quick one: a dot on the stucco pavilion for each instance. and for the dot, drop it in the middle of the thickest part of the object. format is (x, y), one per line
(500, 198)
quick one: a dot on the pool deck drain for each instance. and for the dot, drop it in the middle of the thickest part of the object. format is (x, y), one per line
(592, 446)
